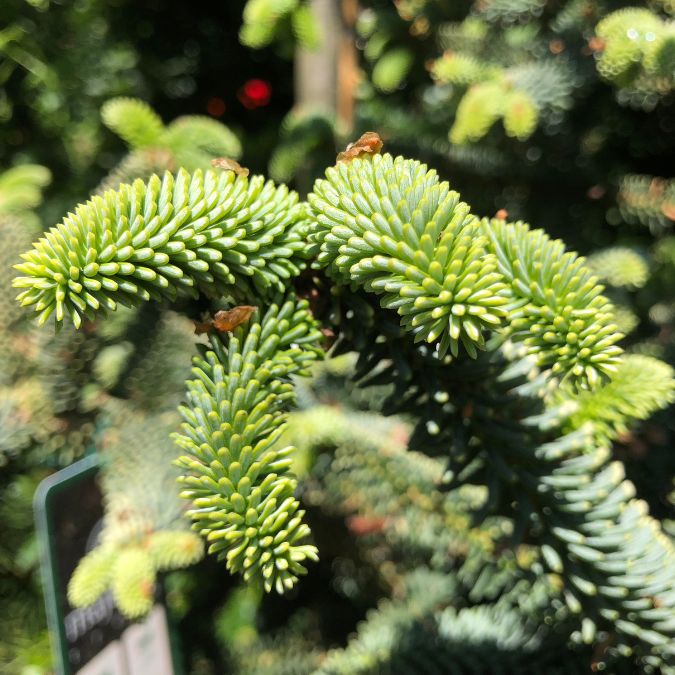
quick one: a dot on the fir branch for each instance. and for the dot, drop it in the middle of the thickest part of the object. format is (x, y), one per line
(648, 201)
(170, 237)
(390, 226)
(556, 307)
(419, 633)
(238, 480)
(503, 427)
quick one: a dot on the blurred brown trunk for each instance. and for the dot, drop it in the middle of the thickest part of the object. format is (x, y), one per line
(326, 77)
(347, 66)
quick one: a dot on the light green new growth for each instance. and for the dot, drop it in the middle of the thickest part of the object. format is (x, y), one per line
(497, 96)
(521, 95)
(261, 19)
(520, 115)
(516, 95)
(305, 27)
(391, 226)
(264, 21)
(620, 266)
(479, 109)
(171, 237)
(192, 140)
(134, 121)
(392, 68)
(130, 570)
(640, 386)
(132, 580)
(91, 577)
(173, 549)
(237, 479)
(462, 69)
(21, 188)
(196, 139)
(638, 50)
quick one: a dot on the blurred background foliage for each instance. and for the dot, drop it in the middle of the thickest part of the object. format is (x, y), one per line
(61, 60)
(557, 113)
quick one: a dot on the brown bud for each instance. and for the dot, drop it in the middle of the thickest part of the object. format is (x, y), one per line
(595, 192)
(363, 525)
(596, 44)
(556, 46)
(369, 144)
(226, 321)
(467, 411)
(668, 210)
(227, 164)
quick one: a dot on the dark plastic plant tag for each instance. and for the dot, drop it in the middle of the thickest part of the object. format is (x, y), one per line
(95, 640)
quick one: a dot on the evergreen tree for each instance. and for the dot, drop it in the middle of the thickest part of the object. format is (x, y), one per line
(494, 341)
(402, 434)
